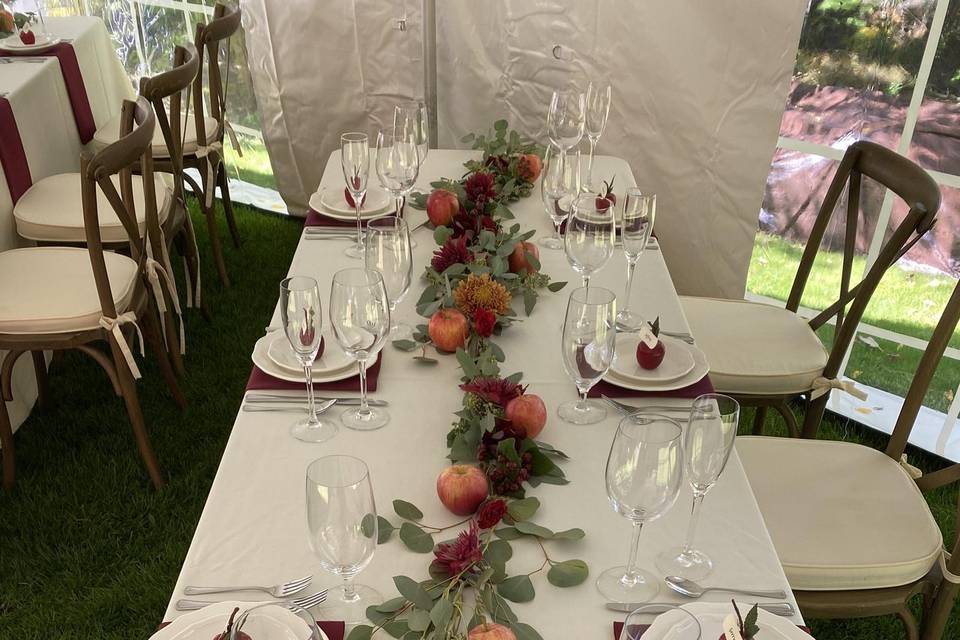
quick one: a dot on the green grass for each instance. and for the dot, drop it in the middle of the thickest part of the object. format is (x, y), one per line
(85, 541)
(254, 166)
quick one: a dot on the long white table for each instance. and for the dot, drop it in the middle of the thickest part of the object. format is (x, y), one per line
(252, 530)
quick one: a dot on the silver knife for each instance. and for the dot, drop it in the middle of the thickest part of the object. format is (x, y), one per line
(347, 402)
(777, 608)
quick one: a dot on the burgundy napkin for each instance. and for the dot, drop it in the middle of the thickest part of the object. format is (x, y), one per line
(618, 627)
(13, 159)
(334, 630)
(609, 389)
(259, 380)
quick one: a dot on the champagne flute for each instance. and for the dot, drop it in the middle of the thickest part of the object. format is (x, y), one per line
(388, 251)
(398, 163)
(590, 234)
(360, 315)
(588, 345)
(342, 530)
(411, 116)
(559, 186)
(597, 106)
(639, 215)
(355, 161)
(565, 118)
(302, 319)
(707, 443)
(643, 476)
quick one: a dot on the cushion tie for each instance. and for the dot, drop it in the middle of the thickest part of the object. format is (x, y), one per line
(234, 140)
(822, 386)
(214, 155)
(947, 574)
(113, 326)
(159, 278)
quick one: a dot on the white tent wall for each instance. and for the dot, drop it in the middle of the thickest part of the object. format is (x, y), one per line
(699, 90)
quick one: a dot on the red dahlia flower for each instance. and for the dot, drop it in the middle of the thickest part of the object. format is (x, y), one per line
(460, 555)
(452, 252)
(496, 390)
(491, 513)
(483, 322)
(480, 187)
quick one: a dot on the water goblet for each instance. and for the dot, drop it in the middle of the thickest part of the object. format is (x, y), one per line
(559, 186)
(388, 251)
(565, 117)
(411, 116)
(398, 164)
(587, 345)
(590, 234)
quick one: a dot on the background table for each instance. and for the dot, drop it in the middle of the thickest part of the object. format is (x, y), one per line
(253, 530)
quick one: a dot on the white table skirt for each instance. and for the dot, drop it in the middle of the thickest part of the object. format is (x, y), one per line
(252, 529)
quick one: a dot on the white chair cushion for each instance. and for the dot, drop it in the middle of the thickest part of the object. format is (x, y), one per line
(842, 516)
(755, 348)
(110, 132)
(52, 210)
(52, 290)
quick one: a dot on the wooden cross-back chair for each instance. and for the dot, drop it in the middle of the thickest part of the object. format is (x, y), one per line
(54, 298)
(765, 356)
(852, 529)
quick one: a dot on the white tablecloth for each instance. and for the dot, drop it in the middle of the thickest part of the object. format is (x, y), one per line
(40, 104)
(253, 531)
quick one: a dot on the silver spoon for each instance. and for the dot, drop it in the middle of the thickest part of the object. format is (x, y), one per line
(691, 589)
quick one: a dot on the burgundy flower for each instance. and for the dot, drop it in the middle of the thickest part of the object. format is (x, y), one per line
(480, 187)
(460, 555)
(491, 513)
(488, 223)
(453, 251)
(483, 322)
(496, 390)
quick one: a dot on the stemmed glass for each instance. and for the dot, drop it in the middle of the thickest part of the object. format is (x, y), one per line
(342, 529)
(411, 117)
(644, 472)
(639, 215)
(302, 319)
(360, 315)
(565, 119)
(597, 109)
(588, 344)
(707, 443)
(398, 163)
(559, 186)
(355, 161)
(590, 234)
(388, 251)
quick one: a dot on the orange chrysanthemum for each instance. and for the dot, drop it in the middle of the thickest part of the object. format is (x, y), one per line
(481, 292)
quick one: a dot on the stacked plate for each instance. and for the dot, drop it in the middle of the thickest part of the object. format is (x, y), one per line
(274, 355)
(332, 203)
(13, 44)
(275, 622)
(673, 624)
(683, 365)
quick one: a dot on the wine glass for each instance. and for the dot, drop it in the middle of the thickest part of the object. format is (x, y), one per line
(411, 116)
(643, 476)
(565, 119)
(355, 161)
(398, 163)
(597, 106)
(636, 227)
(262, 619)
(588, 344)
(707, 443)
(590, 234)
(388, 251)
(342, 529)
(31, 14)
(559, 186)
(682, 624)
(360, 315)
(302, 319)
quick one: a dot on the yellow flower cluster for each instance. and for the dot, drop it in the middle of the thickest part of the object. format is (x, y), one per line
(481, 292)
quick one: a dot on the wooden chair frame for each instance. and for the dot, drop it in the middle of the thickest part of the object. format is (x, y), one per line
(131, 151)
(913, 185)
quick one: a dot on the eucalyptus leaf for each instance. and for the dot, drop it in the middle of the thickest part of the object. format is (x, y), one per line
(391, 606)
(508, 448)
(508, 533)
(529, 301)
(556, 286)
(517, 589)
(568, 573)
(569, 534)
(441, 613)
(418, 620)
(533, 529)
(515, 377)
(416, 538)
(498, 552)
(524, 631)
(396, 628)
(405, 345)
(406, 510)
(524, 509)
(412, 591)
(368, 526)
(361, 632)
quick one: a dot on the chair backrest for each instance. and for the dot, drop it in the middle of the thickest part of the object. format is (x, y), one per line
(910, 183)
(131, 152)
(225, 22)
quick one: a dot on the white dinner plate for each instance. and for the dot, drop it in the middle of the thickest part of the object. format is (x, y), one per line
(333, 360)
(677, 360)
(261, 358)
(330, 202)
(710, 615)
(700, 369)
(206, 623)
(14, 45)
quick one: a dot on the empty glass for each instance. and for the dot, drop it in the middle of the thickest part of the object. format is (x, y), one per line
(588, 344)
(676, 623)
(559, 186)
(565, 118)
(302, 319)
(643, 476)
(342, 529)
(636, 227)
(398, 163)
(707, 443)
(360, 315)
(355, 161)
(590, 234)
(411, 117)
(388, 251)
(597, 107)
(266, 619)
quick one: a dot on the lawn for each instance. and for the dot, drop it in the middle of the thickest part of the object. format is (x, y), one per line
(87, 544)
(254, 166)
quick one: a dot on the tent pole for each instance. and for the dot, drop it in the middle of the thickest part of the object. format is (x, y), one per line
(429, 20)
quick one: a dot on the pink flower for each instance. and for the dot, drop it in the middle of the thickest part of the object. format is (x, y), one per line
(496, 390)
(480, 187)
(462, 554)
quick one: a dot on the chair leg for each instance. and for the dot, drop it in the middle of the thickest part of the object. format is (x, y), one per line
(40, 371)
(758, 419)
(152, 334)
(128, 389)
(909, 623)
(173, 342)
(6, 441)
(811, 421)
(793, 428)
(185, 247)
(215, 244)
(228, 204)
(935, 619)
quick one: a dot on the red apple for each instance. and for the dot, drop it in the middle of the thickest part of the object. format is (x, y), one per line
(491, 631)
(530, 166)
(349, 198)
(529, 412)
(518, 260)
(462, 488)
(442, 206)
(650, 358)
(448, 329)
(6, 21)
(27, 37)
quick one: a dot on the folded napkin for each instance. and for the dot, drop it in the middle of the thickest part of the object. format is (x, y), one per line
(259, 380)
(694, 390)
(618, 627)
(317, 219)
(334, 630)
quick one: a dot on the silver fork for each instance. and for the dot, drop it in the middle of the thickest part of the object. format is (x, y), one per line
(628, 409)
(277, 591)
(304, 602)
(679, 335)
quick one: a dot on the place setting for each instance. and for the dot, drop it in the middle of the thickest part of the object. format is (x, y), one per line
(29, 35)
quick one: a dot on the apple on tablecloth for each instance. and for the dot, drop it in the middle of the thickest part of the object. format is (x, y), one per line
(462, 488)
(518, 262)
(491, 631)
(529, 412)
(442, 206)
(448, 329)
(530, 166)
(649, 357)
